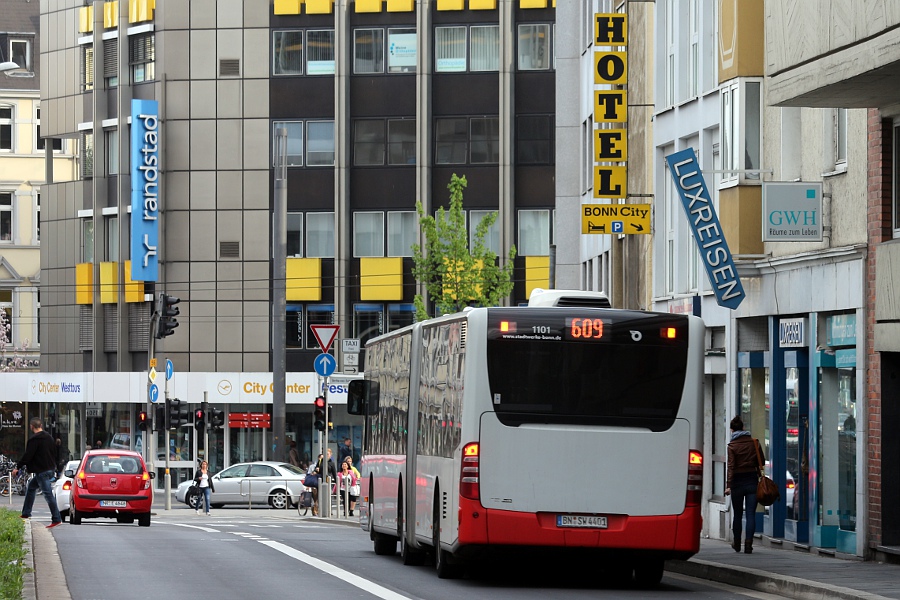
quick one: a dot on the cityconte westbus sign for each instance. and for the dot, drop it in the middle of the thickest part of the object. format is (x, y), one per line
(145, 162)
(701, 215)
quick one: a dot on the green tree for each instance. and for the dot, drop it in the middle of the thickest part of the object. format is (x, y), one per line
(454, 274)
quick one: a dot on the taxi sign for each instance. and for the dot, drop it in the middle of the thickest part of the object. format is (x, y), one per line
(615, 218)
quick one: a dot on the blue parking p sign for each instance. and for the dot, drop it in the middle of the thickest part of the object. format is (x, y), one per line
(618, 226)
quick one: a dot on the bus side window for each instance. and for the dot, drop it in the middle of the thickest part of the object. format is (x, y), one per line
(362, 397)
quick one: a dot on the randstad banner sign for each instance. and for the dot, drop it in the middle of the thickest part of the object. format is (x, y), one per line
(145, 163)
(704, 223)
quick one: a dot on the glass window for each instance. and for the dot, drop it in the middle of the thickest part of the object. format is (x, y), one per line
(401, 233)
(56, 143)
(287, 53)
(534, 233)
(87, 161)
(87, 68)
(492, 239)
(534, 47)
(111, 62)
(293, 324)
(368, 234)
(87, 240)
(295, 234)
(317, 314)
(320, 235)
(400, 315)
(451, 138)
(368, 51)
(37, 217)
(534, 137)
(840, 137)
(368, 142)
(294, 153)
(753, 128)
(112, 239)
(112, 152)
(368, 321)
(20, 53)
(142, 57)
(320, 52)
(6, 216)
(485, 140)
(449, 49)
(402, 50)
(485, 48)
(6, 127)
(401, 141)
(320, 143)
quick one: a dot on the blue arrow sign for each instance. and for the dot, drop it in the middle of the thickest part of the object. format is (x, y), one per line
(153, 392)
(170, 369)
(324, 365)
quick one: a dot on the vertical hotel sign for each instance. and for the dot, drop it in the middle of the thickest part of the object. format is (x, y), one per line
(701, 216)
(145, 190)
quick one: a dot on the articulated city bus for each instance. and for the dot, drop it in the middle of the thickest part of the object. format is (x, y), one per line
(500, 429)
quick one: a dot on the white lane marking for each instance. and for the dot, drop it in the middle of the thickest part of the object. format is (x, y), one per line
(354, 580)
(206, 529)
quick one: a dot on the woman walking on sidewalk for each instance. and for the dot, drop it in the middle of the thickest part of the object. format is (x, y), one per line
(743, 476)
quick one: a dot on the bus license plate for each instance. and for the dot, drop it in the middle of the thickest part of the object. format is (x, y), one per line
(581, 521)
(114, 503)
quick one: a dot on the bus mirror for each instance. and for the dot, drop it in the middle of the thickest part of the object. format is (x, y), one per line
(362, 397)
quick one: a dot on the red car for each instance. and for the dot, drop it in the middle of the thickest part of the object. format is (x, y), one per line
(114, 484)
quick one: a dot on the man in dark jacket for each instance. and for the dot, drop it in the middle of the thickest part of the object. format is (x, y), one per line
(40, 459)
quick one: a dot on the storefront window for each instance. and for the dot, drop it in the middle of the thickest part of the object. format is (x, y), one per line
(837, 448)
(847, 448)
(791, 443)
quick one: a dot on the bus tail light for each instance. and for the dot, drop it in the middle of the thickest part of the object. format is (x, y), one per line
(695, 478)
(468, 474)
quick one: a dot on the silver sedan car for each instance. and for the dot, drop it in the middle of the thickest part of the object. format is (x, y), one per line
(274, 483)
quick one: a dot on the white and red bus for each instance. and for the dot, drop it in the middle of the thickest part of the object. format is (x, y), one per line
(538, 427)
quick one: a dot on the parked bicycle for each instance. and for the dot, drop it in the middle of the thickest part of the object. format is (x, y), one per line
(10, 484)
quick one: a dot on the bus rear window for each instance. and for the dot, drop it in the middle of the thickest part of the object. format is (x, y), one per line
(597, 367)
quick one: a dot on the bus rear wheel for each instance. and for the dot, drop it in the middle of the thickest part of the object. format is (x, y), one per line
(445, 569)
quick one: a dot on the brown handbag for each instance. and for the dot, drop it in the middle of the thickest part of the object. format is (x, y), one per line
(767, 492)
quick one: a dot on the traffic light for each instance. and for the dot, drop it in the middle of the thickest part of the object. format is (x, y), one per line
(162, 413)
(143, 421)
(216, 418)
(330, 418)
(319, 414)
(178, 413)
(167, 311)
(201, 417)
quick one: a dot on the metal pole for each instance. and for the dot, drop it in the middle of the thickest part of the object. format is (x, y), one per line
(279, 299)
(168, 477)
(206, 420)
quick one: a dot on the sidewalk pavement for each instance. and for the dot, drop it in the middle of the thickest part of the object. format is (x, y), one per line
(772, 568)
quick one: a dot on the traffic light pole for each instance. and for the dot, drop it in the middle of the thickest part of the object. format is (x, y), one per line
(168, 477)
(207, 422)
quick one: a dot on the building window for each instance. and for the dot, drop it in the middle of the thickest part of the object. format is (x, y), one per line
(368, 142)
(293, 325)
(534, 47)
(6, 305)
(294, 153)
(6, 128)
(534, 140)
(87, 240)
(401, 232)
(401, 142)
(485, 48)
(37, 217)
(449, 49)
(142, 57)
(320, 144)
(6, 216)
(534, 233)
(299, 335)
(20, 52)
(112, 151)
(87, 68)
(368, 51)
(694, 73)
(287, 52)
(400, 315)
(295, 234)
(402, 46)
(111, 62)
(317, 314)
(368, 321)
(460, 138)
(670, 52)
(320, 235)
(741, 130)
(840, 139)
(368, 234)
(112, 239)
(492, 238)
(320, 52)
(87, 158)
(40, 143)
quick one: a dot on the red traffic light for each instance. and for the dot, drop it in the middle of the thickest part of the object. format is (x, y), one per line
(320, 402)
(199, 414)
(142, 416)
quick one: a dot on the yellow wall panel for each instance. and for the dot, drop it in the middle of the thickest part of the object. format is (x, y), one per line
(401, 5)
(367, 6)
(381, 278)
(451, 4)
(140, 10)
(110, 14)
(288, 7)
(84, 283)
(319, 7)
(109, 282)
(482, 4)
(304, 279)
(537, 273)
(740, 216)
(134, 290)
(741, 39)
(85, 19)
(532, 3)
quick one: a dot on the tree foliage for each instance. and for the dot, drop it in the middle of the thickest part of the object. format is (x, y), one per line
(456, 275)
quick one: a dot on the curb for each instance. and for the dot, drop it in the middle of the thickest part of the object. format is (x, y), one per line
(764, 581)
(29, 584)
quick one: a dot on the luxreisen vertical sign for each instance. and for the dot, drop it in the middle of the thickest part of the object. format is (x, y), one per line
(701, 216)
(145, 174)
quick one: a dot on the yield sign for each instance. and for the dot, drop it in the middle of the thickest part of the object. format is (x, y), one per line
(325, 335)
